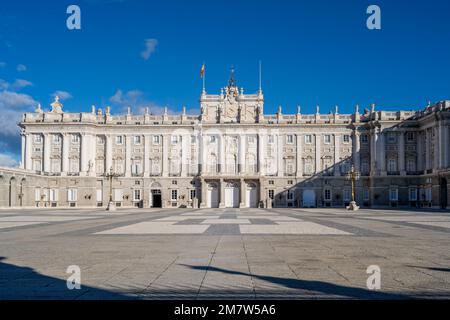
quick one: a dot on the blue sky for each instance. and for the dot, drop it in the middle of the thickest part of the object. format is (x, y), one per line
(315, 52)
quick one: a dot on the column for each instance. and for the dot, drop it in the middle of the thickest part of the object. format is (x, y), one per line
(146, 155)
(446, 147)
(243, 200)
(108, 162)
(356, 150)
(65, 153)
(28, 151)
(436, 148)
(92, 154)
(23, 146)
(381, 152)
(427, 149)
(280, 156)
(128, 147)
(221, 159)
(299, 141)
(401, 153)
(373, 151)
(241, 161)
(47, 146)
(419, 150)
(261, 153)
(203, 154)
(203, 190)
(337, 145)
(165, 159)
(185, 148)
(83, 151)
(318, 159)
(222, 194)
(443, 145)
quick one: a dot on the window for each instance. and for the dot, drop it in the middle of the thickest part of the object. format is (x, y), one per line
(119, 140)
(37, 138)
(251, 139)
(364, 138)
(37, 165)
(346, 138)
(347, 195)
(53, 195)
(290, 139)
(212, 139)
(392, 165)
(174, 139)
(137, 195)
(327, 195)
(290, 195)
(392, 137)
(290, 182)
(411, 165)
(192, 194)
(308, 138)
(270, 139)
(56, 138)
(136, 168)
(37, 194)
(174, 195)
(72, 195)
(366, 194)
(118, 195)
(327, 138)
(55, 165)
(75, 138)
(155, 139)
(99, 195)
(410, 136)
(193, 139)
(271, 182)
(412, 194)
(174, 182)
(393, 194)
(137, 139)
(100, 140)
(365, 166)
(271, 194)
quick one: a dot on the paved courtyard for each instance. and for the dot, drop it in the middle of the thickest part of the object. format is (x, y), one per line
(224, 253)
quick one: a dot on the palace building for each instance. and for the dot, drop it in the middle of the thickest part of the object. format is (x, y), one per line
(231, 155)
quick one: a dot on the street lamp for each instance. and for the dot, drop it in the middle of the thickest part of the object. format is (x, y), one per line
(110, 175)
(353, 175)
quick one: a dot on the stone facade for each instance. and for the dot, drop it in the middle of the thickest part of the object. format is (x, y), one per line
(231, 155)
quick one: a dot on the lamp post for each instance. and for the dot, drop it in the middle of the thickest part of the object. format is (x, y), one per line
(110, 175)
(353, 175)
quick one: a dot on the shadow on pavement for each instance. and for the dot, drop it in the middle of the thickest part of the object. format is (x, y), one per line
(316, 288)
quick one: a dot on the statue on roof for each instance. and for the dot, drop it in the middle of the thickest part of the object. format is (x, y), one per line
(56, 106)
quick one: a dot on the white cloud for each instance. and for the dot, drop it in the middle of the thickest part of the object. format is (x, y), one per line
(7, 160)
(12, 106)
(21, 68)
(16, 85)
(150, 47)
(63, 95)
(136, 100)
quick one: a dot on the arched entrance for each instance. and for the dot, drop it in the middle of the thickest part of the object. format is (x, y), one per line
(212, 196)
(251, 196)
(443, 193)
(309, 198)
(231, 195)
(12, 192)
(155, 195)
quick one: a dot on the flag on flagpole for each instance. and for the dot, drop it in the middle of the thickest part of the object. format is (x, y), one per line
(202, 71)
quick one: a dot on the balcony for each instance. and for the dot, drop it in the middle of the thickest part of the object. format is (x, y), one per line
(393, 173)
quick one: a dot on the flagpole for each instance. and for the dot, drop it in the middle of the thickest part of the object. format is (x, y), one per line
(204, 75)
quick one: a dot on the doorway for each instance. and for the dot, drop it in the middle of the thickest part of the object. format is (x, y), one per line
(212, 196)
(443, 193)
(231, 195)
(252, 196)
(309, 198)
(156, 198)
